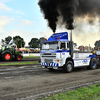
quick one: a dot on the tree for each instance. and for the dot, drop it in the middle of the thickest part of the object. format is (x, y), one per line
(2, 40)
(8, 39)
(97, 43)
(40, 41)
(34, 43)
(19, 41)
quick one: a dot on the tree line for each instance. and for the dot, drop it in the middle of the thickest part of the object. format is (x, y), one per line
(34, 42)
(19, 41)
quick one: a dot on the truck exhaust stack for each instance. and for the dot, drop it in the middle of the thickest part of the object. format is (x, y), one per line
(71, 45)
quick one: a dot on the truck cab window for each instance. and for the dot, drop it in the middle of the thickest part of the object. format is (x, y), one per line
(62, 46)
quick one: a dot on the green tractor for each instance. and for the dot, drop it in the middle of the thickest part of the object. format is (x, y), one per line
(8, 53)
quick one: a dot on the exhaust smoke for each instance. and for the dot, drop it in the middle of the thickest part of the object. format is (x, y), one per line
(67, 10)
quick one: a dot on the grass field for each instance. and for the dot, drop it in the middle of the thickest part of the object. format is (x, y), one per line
(21, 63)
(84, 93)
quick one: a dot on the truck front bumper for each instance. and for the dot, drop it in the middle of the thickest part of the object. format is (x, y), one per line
(53, 67)
(49, 64)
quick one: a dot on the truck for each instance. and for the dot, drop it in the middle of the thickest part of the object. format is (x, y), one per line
(57, 52)
(8, 53)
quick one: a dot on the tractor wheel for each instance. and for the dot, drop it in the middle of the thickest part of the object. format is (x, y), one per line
(6, 56)
(68, 67)
(18, 57)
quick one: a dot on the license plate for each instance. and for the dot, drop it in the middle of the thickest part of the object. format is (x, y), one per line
(55, 67)
(43, 66)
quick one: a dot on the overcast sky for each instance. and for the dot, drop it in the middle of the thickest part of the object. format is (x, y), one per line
(23, 18)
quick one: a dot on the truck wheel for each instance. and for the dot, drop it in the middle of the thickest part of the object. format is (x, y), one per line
(68, 67)
(18, 57)
(93, 63)
(6, 56)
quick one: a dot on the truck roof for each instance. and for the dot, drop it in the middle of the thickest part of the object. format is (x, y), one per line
(63, 36)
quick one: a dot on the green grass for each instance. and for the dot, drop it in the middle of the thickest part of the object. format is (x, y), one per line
(31, 57)
(84, 93)
(21, 63)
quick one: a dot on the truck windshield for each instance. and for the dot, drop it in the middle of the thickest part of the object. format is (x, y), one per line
(50, 45)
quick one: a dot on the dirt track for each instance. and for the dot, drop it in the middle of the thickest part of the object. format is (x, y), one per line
(32, 82)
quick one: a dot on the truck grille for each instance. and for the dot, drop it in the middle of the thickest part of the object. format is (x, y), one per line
(49, 60)
(47, 54)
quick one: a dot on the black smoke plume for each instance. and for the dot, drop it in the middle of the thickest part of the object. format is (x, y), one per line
(49, 9)
(67, 10)
(52, 9)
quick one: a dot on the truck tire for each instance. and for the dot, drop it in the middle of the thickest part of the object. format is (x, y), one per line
(68, 67)
(6, 56)
(18, 57)
(93, 64)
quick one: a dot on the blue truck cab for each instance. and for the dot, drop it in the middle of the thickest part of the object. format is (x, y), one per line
(57, 53)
